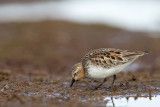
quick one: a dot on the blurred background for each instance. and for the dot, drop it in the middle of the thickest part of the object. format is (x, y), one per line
(52, 35)
(40, 40)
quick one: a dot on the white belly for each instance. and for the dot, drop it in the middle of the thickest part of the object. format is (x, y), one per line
(100, 72)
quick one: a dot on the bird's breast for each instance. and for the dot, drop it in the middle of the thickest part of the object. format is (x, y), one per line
(97, 71)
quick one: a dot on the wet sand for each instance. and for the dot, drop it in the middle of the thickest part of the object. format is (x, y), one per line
(36, 61)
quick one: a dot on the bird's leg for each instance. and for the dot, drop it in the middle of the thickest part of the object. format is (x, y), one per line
(114, 78)
(112, 101)
(105, 79)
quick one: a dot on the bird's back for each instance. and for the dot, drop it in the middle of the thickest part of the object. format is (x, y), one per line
(109, 58)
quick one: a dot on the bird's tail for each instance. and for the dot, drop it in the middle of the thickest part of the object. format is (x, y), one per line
(141, 53)
(135, 53)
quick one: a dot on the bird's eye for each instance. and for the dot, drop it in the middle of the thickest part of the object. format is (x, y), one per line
(75, 73)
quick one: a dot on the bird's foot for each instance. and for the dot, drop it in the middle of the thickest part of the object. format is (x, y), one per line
(112, 86)
(98, 86)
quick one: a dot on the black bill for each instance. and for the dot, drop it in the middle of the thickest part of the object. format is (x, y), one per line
(73, 80)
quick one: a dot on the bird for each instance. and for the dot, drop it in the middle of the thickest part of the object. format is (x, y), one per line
(103, 63)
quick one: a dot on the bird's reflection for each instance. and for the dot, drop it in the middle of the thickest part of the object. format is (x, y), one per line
(112, 101)
(115, 101)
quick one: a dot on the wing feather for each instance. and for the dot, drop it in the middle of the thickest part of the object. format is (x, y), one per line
(110, 57)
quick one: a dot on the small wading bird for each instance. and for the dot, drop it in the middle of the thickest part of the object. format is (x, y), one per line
(103, 63)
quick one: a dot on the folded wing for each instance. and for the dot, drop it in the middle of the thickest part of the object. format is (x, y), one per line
(110, 57)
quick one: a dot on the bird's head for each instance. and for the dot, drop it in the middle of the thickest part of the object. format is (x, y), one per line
(77, 73)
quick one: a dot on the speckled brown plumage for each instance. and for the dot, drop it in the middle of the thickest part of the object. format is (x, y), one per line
(110, 57)
(103, 63)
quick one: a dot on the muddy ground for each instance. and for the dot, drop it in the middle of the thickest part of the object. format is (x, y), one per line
(36, 60)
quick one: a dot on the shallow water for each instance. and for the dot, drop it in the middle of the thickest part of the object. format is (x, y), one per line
(117, 101)
(128, 100)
